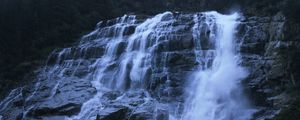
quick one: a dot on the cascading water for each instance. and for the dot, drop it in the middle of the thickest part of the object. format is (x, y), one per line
(138, 68)
(216, 90)
(132, 65)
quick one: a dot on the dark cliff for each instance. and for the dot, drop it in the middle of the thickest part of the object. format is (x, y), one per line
(31, 29)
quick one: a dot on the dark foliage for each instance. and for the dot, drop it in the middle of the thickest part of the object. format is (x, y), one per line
(291, 10)
(30, 29)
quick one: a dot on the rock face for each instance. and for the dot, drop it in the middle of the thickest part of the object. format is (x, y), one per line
(117, 73)
(266, 54)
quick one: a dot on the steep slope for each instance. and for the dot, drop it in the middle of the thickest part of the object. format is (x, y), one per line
(135, 67)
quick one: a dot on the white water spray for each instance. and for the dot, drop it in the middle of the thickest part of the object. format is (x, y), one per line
(216, 90)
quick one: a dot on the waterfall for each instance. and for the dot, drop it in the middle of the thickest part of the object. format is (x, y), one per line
(215, 91)
(133, 64)
(185, 64)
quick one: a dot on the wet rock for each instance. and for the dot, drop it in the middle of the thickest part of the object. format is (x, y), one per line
(146, 112)
(253, 48)
(167, 17)
(111, 95)
(181, 42)
(121, 48)
(131, 105)
(129, 30)
(67, 109)
(12, 106)
(113, 114)
(182, 59)
(64, 98)
(54, 118)
(90, 52)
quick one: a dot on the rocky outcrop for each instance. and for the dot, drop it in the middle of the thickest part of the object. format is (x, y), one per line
(133, 105)
(67, 82)
(49, 97)
(267, 53)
